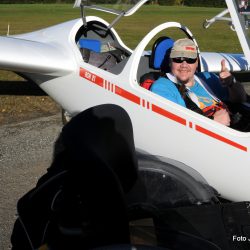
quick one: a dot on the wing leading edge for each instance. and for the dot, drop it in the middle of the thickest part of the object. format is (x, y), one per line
(27, 56)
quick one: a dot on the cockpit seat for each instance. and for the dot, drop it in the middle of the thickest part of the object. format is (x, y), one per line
(159, 61)
(91, 44)
(102, 54)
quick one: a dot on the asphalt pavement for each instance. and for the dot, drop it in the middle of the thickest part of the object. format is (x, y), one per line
(26, 151)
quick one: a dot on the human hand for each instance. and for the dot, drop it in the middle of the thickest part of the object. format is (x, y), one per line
(226, 77)
(222, 116)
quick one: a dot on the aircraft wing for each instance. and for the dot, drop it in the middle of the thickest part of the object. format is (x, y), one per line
(27, 56)
(211, 61)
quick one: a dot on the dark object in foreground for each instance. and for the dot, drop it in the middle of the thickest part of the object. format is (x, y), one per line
(20, 88)
(94, 187)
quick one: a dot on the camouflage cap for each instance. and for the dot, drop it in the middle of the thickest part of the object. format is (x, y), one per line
(184, 48)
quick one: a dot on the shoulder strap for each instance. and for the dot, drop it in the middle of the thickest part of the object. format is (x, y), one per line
(190, 103)
(190, 94)
(192, 106)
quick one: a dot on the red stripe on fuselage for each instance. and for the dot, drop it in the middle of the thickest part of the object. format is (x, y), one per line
(124, 93)
(148, 105)
(136, 99)
(169, 114)
(220, 138)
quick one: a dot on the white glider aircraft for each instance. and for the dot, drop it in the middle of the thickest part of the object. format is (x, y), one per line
(83, 63)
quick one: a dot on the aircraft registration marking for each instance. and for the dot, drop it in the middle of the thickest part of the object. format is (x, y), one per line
(91, 77)
(144, 103)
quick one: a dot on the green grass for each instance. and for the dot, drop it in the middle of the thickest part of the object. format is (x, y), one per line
(25, 18)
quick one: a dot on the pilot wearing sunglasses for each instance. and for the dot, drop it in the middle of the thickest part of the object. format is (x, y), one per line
(201, 92)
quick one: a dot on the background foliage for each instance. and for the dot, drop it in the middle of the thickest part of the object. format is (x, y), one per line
(198, 3)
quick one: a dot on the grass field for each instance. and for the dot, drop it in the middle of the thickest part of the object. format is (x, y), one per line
(25, 18)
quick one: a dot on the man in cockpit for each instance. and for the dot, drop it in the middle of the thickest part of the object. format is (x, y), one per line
(201, 92)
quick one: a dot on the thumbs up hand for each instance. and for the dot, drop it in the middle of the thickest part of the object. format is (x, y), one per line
(226, 77)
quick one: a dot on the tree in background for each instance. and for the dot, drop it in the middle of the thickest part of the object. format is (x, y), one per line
(206, 3)
(197, 3)
(166, 2)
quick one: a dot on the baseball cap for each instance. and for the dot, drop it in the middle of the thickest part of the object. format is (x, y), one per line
(184, 48)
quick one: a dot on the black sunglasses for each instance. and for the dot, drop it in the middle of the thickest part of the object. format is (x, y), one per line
(186, 59)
